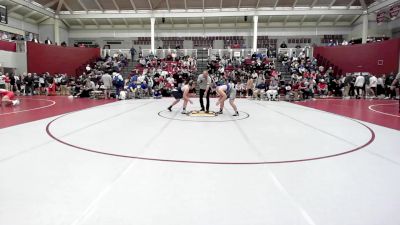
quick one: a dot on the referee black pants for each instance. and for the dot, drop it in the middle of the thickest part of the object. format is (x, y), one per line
(202, 92)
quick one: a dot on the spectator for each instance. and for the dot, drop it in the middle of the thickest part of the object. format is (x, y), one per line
(373, 83)
(283, 45)
(359, 84)
(106, 79)
(48, 41)
(29, 85)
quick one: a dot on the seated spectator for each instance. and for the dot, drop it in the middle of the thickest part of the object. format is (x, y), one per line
(322, 88)
(272, 92)
(88, 87)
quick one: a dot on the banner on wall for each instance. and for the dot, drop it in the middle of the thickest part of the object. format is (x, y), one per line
(381, 17)
(394, 11)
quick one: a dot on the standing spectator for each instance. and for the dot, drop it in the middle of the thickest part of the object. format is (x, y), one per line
(106, 79)
(2, 81)
(373, 83)
(64, 85)
(380, 88)
(42, 84)
(28, 81)
(133, 53)
(7, 81)
(118, 82)
(390, 92)
(346, 85)
(359, 84)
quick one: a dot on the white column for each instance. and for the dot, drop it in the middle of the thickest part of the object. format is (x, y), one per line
(56, 31)
(152, 22)
(255, 23)
(364, 28)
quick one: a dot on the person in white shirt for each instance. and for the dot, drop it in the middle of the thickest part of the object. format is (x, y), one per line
(272, 90)
(359, 84)
(373, 83)
(380, 89)
(106, 79)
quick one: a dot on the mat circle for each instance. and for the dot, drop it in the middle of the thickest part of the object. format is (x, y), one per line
(372, 138)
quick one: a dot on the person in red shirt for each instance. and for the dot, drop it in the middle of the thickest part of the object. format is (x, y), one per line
(322, 88)
(8, 98)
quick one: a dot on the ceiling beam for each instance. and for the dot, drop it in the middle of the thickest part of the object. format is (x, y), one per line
(337, 19)
(44, 18)
(60, 3)
(332, 3)
(14, 8)
(213, 13)
(364, 6)
(126, 22)
(354, 19)
(240, 2)
(203, 6)
(320, 19)
(166, 1)
(50, 4)
(68, 8)
(151, 6)
(350, 3)
(82, 5)
(66, 23)
(98, 5)
(313, 3)
(276, 4)
(34, 7)
(381, 5)
(110, 22)
(116, 5)
(294, 4)
(81, 23)
(302, 20)
(285, 21)
(185, 1)
(133, 5)
(29, 14)
(95, 22)
(220, 5)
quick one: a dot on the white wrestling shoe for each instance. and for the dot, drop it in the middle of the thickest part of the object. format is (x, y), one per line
(15, 102)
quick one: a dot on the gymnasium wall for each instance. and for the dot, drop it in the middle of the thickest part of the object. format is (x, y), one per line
(15, 60)
(56, 59)
(365, 57)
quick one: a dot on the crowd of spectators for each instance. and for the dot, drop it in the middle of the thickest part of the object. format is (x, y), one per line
(255, 76)
(308, 78)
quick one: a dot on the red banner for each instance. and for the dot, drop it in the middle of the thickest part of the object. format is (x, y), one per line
(381, 17)
(394, 11)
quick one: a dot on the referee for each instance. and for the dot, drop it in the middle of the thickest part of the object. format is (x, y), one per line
(204, 82)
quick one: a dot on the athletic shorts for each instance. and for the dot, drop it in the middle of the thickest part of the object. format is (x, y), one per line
(232, 94)
(177, 94)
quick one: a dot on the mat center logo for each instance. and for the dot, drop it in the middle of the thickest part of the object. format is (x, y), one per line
(202, 114)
